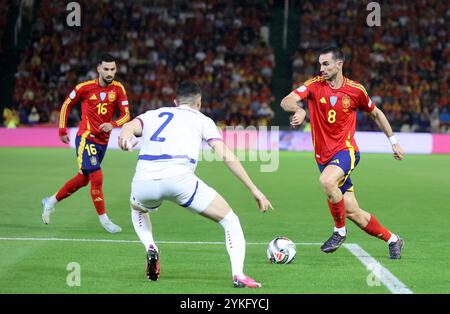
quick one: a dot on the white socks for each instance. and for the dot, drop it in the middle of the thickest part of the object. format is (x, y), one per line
(393, 238)
(143, 228)
(235, 242)
(52, 199)
(342, 231)
(103, 218)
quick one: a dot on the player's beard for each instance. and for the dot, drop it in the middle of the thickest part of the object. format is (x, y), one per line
(108, 80)
(331, 77)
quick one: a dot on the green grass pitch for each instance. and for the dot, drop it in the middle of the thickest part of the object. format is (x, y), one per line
(409, 197)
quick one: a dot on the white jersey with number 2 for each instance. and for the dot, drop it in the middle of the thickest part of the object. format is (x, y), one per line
(171, 141)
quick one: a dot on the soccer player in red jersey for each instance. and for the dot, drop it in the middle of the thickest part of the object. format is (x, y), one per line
(332, 101)
(99, 100)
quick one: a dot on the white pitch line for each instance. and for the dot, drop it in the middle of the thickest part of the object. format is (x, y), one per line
(386, 277)
(130, 241)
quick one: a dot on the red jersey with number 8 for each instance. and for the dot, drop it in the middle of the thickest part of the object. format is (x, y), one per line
(332, 114)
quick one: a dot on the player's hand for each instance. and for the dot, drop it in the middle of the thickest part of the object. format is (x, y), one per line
(297, 118)
(398, 151)
(105, 127)
(64, 139)
(126, 144)
(261, 200)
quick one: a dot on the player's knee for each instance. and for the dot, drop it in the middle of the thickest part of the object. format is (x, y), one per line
(137, 206)
(327, 183)
(96, 177)
(84, 180)
(353, 216)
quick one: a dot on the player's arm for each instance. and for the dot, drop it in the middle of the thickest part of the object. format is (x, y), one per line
(233, 163)
(380, 119)
(67, 105)
(122, 101)
(290, 104)
(130, 129)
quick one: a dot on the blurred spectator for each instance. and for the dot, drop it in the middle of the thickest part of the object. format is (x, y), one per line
(434, 121)
(10, 118)
(33, 117)
(404, 64)
(222, 44)
(444, 118)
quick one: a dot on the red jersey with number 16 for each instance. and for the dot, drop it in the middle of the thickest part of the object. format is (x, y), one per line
(332, 114)
(98, 105)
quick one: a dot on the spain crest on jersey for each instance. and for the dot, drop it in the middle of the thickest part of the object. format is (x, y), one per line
(345, 103)
(93, 161)
(111, 96)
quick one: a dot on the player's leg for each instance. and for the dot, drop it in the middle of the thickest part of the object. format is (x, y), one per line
(371, 226)
(353, 212)
(96, 178)
(207, 202)
(332, 179)
(141, 221)
(90, 155)
(70, 187)
(145, 198)
(329, 180)
(219, 211)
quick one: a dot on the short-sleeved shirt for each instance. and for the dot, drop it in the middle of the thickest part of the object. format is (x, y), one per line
(171, 141)
(98, 105)
(333, 114)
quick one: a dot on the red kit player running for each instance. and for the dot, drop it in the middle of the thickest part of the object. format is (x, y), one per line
(99, 100)
(332, 101)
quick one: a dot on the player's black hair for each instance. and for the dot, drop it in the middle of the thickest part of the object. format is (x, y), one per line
(188, 89)
(337, 53)
(106, 57)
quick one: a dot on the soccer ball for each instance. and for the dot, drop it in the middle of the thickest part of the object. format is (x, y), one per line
(281, 250)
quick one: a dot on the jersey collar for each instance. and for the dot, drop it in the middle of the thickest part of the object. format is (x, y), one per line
(337, 88)
(98, 83)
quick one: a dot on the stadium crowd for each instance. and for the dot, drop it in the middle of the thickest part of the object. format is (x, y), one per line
(404, 64)
(222, 45)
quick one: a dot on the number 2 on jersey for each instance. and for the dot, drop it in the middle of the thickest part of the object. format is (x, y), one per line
(155, 137)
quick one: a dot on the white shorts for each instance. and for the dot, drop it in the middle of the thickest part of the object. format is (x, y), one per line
(186, 190)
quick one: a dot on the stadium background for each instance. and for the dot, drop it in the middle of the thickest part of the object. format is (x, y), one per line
(235, 49)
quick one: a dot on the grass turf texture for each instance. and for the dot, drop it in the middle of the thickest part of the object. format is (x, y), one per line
(408, 197)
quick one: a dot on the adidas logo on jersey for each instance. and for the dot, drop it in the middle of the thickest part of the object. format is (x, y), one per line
(93, 97)
(323, 100)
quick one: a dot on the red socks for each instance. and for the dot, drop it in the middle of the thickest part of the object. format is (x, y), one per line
(79, 181)
(374, 228)
(338, 212)
(72, 186)
(96, 179)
